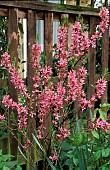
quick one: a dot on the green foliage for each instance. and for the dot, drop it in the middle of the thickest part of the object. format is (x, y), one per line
(3, 34)
(44, 153)
(5, 164)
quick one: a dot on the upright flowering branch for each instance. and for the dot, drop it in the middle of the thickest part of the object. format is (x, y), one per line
(15, 78)
(80, 41)
(62, 56)
(43, 90)
(35, 60)
(104, 15)
(62, 52)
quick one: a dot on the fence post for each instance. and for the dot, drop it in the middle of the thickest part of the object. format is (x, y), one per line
(48, 45)
(13, 40)
(91, 59)
(48, 36)
(105, 44)
(31, 38)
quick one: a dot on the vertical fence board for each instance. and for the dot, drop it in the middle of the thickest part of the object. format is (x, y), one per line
(105, 44)
(91, 59)
(31, 38)
(48, 36)
(13, 40)
(48, 45)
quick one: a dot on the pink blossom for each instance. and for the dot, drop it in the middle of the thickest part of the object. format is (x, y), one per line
(54, 157)
(80, 41)
(5, 62)
(56, 116)
(101, 124)
(63, 133)
(47, 73)
(75, 83)
(15, 78)
(84, 103)
(7, 101)
(2, 117)
(22, 111)
(27, 143)
(62, 39)
(62, 52)
(104, 14)
(22, 122)
(100, 87)
(36, 49)
(82, 72)
(108, 116)
(39, 134)
(54, 122)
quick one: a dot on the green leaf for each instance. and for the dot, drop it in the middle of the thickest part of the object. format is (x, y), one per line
(97, 155)
(77, 123)
(42, 149)
(90, 113)
(106, 152)
(0, 152)
(70, 154)
(78, 138)
(18, 167)
(105, 105)
(108, 132)
(1, 164)
(5, 168)
(105, 168)
(68, 162)
(80, 159)
(22, 154)
(95, 134)
(84, 138)
(75, 160)
(89, 168)
(103, 114)
(11, 164)
(37, 142)
(6, 157)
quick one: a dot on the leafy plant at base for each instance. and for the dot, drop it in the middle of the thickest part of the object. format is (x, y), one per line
(5, 164)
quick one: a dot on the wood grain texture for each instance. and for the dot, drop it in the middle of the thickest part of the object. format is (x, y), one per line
(31, 38)
(48, 45)
(13, 40)
(105, 55)
(91, 59)
(50, 7)
(48, 36)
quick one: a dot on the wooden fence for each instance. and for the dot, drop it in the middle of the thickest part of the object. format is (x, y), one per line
(49, 12)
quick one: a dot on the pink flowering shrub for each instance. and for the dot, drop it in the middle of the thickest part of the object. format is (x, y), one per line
(58, 98)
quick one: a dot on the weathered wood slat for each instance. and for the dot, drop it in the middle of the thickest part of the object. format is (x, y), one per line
(48, 44)
(48, 36)
(56, 16)
(39, 15)
(3, 12)
(91, 59)
(22, 14)
(13, 39)
(45, 6)
(105, 49)
(31, 38)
